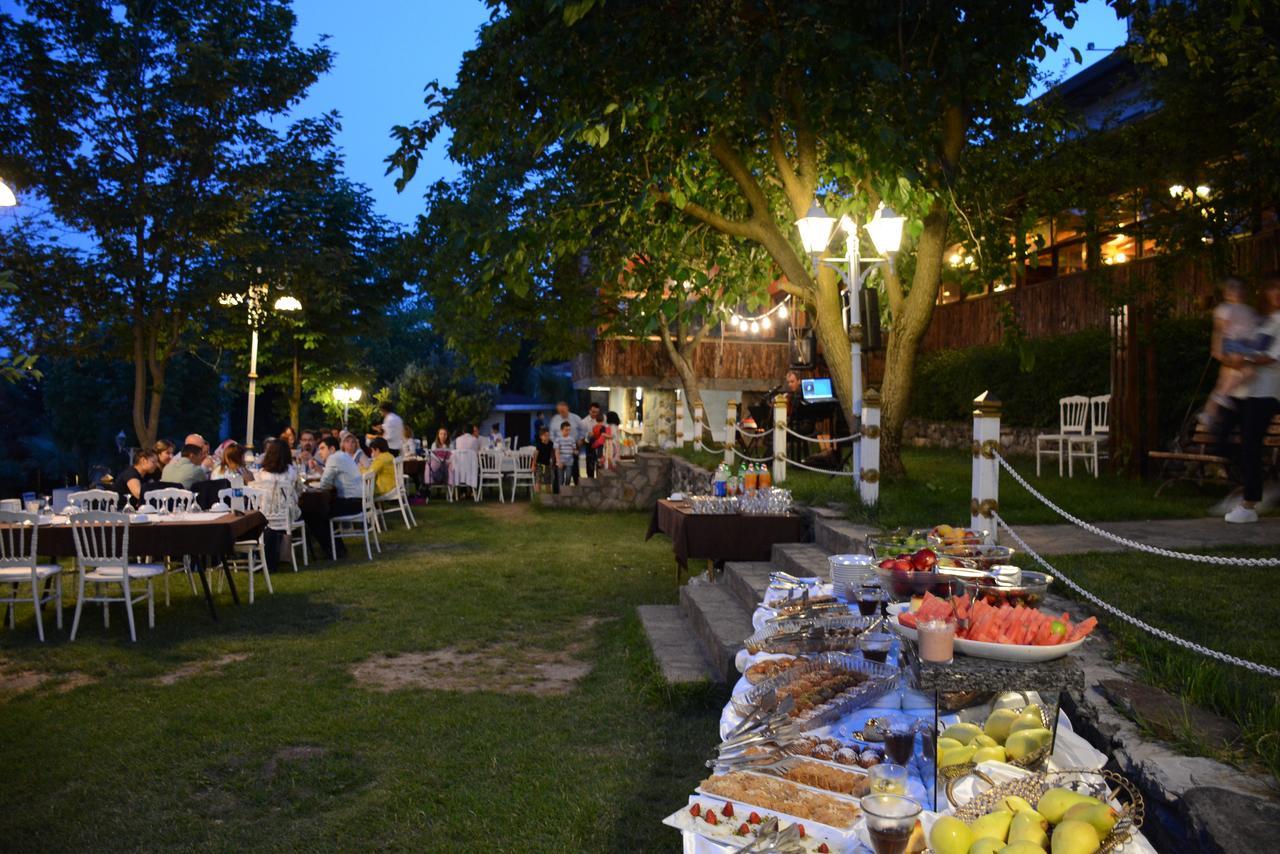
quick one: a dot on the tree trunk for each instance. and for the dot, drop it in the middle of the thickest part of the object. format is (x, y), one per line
(828, 314)
(295, 395)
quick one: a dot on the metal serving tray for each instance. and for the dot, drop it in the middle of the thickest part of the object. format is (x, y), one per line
(880, 676)
(809, 636)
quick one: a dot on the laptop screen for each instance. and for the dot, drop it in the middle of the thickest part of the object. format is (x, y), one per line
(817, 390)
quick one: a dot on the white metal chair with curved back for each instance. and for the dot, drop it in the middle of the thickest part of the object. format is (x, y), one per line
(524, 471)
(280, 506)
(362, 525)
(464, 471)
(249, 555)
(1088, 447)
(102, 559)
(19, 565)
(168, 500)
(396, 496)
(1073, 416)
(103, 500)
(491, 475)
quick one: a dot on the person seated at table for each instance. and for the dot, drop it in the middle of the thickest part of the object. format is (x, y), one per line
(196, 439)
(442, 440)
(288, 436)
(276, 471)
(470, 440)
(164, 454)
(343, 476)
(232, 467)
(188, 469)
(383, 466)
(306, 455)
(351, 447)
(495, 437)
(129, 483)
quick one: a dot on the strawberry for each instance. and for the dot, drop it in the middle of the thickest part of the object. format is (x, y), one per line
(801, 826)
(823, 849)
(754, 818)
(727, 811)
(695, 810)
(710, 817)
(743, 830)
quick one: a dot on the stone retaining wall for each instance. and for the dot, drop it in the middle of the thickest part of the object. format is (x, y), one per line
(919, 433)
(689, 478)
(633, 485)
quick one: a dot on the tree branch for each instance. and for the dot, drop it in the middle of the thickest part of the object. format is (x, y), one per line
(728, 157)
(791, 184)
(732, 227)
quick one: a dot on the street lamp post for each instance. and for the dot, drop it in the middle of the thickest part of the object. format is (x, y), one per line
(346, 396)
(255, 299)
(816, 228)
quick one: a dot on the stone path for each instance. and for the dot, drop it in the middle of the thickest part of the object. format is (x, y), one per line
(1200, 533)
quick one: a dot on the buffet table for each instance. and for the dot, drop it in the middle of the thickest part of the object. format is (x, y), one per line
(721, 537)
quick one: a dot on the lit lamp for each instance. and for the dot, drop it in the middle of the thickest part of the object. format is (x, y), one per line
(815, 229)
(253, 300)
(885, 231)
(346, 396)
(7, 198)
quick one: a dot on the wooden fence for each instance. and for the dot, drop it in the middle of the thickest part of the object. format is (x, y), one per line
(744, 365)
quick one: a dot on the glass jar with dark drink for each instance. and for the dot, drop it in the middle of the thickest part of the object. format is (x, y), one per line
(875, 646)
(890, 820)
(869, 599)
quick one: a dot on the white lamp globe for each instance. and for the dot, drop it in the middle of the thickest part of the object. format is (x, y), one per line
(885, 230)
(815, 229)
(7, 197)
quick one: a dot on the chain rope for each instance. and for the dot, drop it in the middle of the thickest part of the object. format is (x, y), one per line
(851, 438)
(837, 472)
(1133, 544)
(1129, 618)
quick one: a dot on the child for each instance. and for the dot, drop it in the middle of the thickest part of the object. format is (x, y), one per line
(1234, 324)
(544, 464)
(612, 425)
(566, 453)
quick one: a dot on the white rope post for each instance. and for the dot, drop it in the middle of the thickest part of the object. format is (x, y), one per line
(986, 471)
(779, 439)
(697, 427)
(679, 421)
(730, 432)
(868, 458)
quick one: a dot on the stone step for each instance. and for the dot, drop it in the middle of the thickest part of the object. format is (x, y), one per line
(675, 645)
(748, 580)
(839, 536)
(720, 622)
(801, 559)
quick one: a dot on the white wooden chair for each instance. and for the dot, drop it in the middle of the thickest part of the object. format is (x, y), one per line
(1090, 447)
(357, 525)
(511, 443)
(398, 496)
(102, 559)
(169, 500)
(464, 471)
(103, 500)
(19, 566)
(249, 555)
(491, 475)
(280, 506)
(1073, 416)
(523, 477)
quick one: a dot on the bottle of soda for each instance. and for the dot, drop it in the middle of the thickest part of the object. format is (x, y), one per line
(750, 478)
(765, 479)
(719, 485)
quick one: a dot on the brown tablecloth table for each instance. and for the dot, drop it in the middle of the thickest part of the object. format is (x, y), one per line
(722, 537)
(416, 469)
(214, 538)
(315, 503)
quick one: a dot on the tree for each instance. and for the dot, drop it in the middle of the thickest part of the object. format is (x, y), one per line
(738, 124)
(146, 127)
(438, 393)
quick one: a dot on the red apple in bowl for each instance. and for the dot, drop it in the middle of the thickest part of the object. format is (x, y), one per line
(924, 560)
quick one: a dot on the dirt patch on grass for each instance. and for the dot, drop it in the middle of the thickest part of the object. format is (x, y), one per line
(293, 754)
(507, 512)
(500, 669)
(197, 668)
(15, 681)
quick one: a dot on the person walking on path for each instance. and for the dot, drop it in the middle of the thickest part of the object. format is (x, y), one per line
(1257, 399)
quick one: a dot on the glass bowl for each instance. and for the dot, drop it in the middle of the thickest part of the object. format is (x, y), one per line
(902, 584)
(896, 542)
(955, 535)
(974, 556)
(1029, 592)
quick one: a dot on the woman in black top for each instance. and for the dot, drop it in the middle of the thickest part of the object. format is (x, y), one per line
(129, 483)
(164, 452)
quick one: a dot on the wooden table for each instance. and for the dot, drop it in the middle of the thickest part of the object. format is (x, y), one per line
(722, 537)
(214, 537)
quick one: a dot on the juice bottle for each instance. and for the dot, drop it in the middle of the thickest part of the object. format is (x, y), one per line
(765, 479)
(750, 478)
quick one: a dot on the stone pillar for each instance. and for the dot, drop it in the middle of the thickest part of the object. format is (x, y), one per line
(986, 470)
(730, 432)
(867, 455)
(659, 418)
(779, 439)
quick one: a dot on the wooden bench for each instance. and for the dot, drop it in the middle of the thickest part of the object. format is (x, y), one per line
(1194, 459)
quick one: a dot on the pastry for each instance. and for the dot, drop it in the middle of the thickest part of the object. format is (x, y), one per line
(784, 796)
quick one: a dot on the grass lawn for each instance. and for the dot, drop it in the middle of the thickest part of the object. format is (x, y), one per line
(284, 750)
(1201, 603)
(937, 489)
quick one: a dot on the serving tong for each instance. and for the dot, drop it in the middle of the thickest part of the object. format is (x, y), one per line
(772, 840)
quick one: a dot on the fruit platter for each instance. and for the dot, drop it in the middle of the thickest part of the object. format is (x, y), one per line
(955, 535)
(895, 542)
(1004, 632)
(737, 825)
(914, 573)
(1067, 812)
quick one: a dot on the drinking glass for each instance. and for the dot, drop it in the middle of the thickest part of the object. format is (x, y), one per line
(937, 640)
(890, 820)
(875, 646)
(887, 779)
(899, 739)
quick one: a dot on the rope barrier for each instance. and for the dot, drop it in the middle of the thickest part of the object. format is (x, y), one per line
(1133, 544)
(823, 441)
(838, 473)
(1129, 618)
(767, 459)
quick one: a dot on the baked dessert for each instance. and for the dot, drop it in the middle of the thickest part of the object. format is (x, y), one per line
(821, 776)
(773, 793)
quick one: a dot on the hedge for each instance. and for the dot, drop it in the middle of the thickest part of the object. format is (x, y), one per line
(946, 381)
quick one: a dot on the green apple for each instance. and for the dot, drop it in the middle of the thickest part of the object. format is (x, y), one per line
(962, 732)
(956, 756)
(1015, 805)
(990, 754)
(986, 845)
(1025, 742)
(984, 740)
(993, 824)
(998, 723)
(1022, 847)
(945, 743)
(950, 835)
(1102, 816)
(1074, 837)
(1029, 827)
(1053, 804)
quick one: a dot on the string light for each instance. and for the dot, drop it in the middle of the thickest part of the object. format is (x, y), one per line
(761, 321)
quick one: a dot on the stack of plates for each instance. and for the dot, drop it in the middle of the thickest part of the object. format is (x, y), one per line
(851, 570)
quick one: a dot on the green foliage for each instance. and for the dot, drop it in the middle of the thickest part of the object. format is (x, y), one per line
(440, 394)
